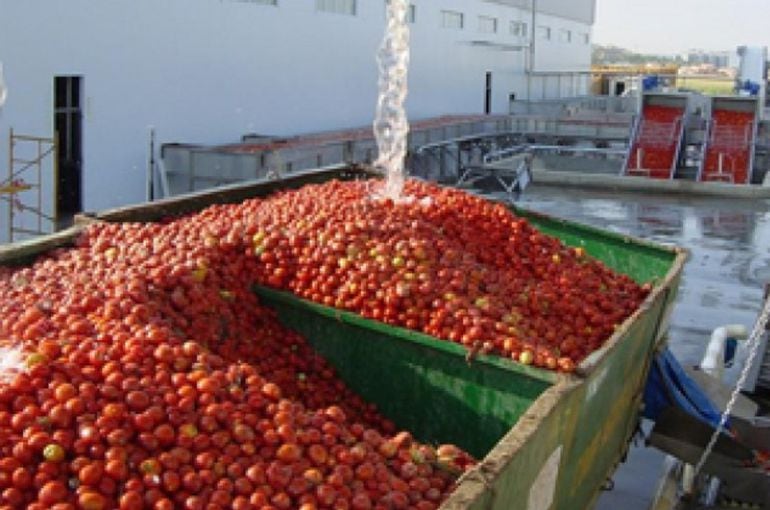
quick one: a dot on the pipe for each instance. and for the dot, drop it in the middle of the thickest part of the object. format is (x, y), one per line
(531, 66)
(713, 362)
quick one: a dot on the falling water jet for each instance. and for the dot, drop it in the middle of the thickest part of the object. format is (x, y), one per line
(3, 88)
(390, 123)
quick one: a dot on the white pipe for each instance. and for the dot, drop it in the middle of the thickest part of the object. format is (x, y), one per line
(688, 479)
(713, 362)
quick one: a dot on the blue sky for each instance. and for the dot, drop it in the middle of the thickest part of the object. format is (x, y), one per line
(673, 26)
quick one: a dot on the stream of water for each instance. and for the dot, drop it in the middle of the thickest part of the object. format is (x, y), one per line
(390, 123)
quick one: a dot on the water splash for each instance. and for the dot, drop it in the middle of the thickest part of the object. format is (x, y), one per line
(3, 88)
(390, 124)
(12, 362)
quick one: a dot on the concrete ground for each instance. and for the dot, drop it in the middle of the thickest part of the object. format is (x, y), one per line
(729, 244)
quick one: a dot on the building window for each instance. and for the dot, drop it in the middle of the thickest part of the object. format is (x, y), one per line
(411, 13)
(544, 32)
(337, 6)
(565, 35)
(586, 38)
(487, 25)
(452, 19)
(518, 29)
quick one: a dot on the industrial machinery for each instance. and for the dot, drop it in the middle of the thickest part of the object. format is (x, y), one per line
(752, 72)
(718, 439)
(656, 137)
(728, 154)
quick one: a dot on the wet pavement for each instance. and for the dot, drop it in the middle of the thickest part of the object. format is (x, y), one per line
(729, 262)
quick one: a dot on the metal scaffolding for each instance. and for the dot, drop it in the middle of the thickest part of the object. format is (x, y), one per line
(23, 189)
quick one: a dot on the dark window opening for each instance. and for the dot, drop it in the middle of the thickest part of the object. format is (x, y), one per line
(68, 129)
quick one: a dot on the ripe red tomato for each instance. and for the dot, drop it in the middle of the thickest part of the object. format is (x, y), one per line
(52, 492)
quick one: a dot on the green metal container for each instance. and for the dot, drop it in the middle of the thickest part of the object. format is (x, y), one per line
(547, 440)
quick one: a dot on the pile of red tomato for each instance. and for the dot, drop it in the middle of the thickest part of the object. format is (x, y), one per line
(657, 141)
(731, 132)
(447, 263)
(152, 377)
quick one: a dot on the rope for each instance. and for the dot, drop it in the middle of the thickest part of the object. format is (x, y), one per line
(753, 344)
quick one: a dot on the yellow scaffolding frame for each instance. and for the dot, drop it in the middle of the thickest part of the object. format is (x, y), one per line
(19, 181)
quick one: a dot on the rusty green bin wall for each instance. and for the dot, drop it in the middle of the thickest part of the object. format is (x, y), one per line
(425, 385)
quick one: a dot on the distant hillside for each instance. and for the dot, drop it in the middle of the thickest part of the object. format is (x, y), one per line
(608, 55)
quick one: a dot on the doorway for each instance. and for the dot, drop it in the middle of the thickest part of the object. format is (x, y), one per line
(68, 128)
(488, 93)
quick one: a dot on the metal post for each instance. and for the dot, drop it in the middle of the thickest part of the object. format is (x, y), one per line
(531, 66)
(459, 162)
(55, 208)
(40, 186)
(191, 175)
(10, 178)
(150, 192)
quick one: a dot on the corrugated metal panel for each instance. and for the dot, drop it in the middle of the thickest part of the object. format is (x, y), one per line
(577, 10)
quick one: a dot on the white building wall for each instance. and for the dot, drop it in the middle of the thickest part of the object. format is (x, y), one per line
(208, 71)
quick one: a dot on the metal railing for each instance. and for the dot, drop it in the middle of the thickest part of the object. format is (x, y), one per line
(186, 168)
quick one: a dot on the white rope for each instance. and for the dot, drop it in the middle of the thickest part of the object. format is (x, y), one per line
(753, 346)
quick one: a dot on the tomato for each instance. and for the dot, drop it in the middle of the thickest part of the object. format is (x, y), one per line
(116, 469)
(91, 501)
(289, 453)
(21, 478)
(52, 492)
(137, 400)
(64, 392)
(53, 452)
(91, 474)
(131, 500)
